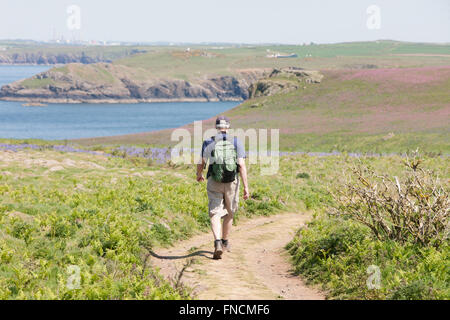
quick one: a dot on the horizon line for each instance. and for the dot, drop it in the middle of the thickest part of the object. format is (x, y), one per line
(181, 43)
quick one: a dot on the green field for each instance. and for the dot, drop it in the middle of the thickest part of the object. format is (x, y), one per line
(178, 63)
(171, 62)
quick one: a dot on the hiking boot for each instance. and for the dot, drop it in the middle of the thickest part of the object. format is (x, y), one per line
(226, 245)
(218, 250)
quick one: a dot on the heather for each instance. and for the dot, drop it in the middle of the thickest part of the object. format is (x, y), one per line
(353, 112)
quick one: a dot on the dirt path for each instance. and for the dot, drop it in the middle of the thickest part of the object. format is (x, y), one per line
(256, 268)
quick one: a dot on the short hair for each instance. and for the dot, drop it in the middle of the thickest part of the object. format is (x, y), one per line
(222, 122)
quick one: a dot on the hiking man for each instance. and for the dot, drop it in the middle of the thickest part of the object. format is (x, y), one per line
(226, 162)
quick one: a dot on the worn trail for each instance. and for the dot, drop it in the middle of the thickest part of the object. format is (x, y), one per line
(257, 267)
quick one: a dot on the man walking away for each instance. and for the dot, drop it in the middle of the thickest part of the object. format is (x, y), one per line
(226, 162)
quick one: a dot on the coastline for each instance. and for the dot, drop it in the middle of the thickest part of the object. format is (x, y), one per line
(117, 101)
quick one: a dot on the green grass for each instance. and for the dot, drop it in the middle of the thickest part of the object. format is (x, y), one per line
(106, 219)
(340, 254)
(355, 115)
(34, 83)
(337, 254)
(103, 220)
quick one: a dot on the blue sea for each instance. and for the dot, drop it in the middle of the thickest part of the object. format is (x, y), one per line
(72, 121)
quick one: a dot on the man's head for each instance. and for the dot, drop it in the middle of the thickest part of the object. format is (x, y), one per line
(222, 123)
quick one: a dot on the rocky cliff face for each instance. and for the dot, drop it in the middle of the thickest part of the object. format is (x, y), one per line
(48, 58)
(69, 87)
(283, 81)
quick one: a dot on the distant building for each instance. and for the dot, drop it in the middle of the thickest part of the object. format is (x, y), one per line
(278, 55)
(292, 55)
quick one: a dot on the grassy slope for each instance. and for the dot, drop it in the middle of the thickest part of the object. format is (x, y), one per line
(380, 110)
(372, 110)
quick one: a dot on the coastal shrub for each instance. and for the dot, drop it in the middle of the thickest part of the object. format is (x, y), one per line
(338, 254)
(416, 290)
(323, 239)
(22, 230)
(303, 175)
(413, 208)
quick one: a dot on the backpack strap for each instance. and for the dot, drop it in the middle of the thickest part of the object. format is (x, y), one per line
(238, 167)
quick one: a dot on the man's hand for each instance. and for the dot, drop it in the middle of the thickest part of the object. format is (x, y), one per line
(243, 173)
(246, 194)
(200, 167)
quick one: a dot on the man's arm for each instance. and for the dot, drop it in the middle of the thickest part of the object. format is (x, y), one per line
(243, 173)
(200, 167)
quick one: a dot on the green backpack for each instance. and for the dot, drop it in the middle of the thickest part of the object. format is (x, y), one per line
(224, 162)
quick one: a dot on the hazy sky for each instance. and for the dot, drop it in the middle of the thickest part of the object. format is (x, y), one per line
(250, 21)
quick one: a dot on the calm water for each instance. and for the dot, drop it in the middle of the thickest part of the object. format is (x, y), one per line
(71, 121)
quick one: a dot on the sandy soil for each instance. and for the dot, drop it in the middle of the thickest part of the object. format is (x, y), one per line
(257, 267)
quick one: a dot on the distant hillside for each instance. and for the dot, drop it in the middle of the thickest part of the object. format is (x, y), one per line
(33, 53)
(203, 73)
(379, 110)
(113, 83)
(206, 73)
(372, 110)
(162, 75)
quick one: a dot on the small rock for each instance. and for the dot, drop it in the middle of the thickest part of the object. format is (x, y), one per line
(56, 168)
(96, 166)
(69, 163)
(47, 163)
